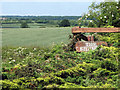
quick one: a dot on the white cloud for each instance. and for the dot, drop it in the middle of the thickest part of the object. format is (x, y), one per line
(52, 0)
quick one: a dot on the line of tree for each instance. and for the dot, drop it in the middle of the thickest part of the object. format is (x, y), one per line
(41, 17)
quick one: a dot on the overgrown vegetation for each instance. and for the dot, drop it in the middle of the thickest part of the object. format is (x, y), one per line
(37, 68)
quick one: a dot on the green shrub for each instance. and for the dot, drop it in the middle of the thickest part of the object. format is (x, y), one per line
(64, 23)
(53, 67)
(24, 25)
(7, 84)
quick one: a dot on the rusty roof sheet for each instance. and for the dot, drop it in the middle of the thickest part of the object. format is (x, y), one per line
(88, 30)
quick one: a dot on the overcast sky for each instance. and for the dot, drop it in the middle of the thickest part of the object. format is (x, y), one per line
(45, 7)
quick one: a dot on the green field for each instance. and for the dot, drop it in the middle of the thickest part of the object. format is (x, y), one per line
(16, 25)
(31, 25)
(42, 37)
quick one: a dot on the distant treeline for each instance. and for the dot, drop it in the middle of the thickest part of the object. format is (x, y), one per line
(42, 17)
(52, 20)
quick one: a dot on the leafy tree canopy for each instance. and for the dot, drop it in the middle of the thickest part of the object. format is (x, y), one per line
(103, 14)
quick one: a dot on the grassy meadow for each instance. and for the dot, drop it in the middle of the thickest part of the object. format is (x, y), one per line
(42, 37)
